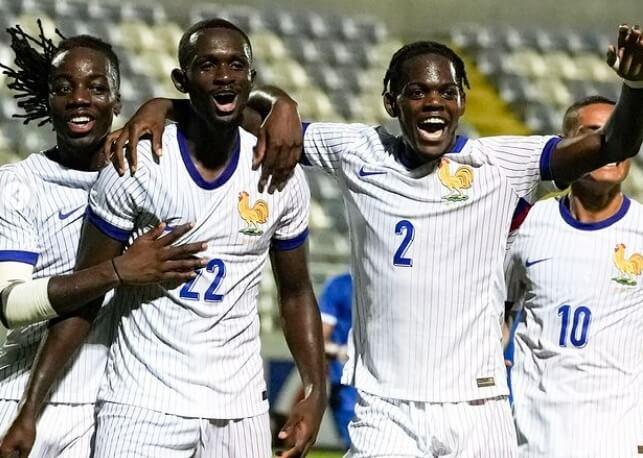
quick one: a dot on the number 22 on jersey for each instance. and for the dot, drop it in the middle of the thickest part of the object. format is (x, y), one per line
(211, 295)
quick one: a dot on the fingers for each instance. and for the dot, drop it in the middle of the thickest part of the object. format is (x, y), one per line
(612, 57)
(184, 252)
(180, 277)
(132, 144)
(156, 143)
(118, 150)
(185, 265)
(259, 149)
(156, 232)
(623, 30)
(175, 234)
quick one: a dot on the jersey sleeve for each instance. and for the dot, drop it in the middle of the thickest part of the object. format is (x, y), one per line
(524, 160)
(18, 229)
(114, 202)
(292, 228)
(326, 143)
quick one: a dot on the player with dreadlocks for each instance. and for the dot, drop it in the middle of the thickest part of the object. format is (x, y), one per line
(74, 85)
(429, 214)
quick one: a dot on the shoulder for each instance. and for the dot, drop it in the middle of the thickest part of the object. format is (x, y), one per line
(340, 131)
(511, 144)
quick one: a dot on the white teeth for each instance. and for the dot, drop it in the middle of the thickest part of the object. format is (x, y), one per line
(438, 121)
(80, 119)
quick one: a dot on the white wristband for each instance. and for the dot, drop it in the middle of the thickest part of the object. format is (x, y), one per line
(633, 84)
(26, 303)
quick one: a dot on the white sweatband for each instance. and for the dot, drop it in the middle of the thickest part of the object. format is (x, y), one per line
(24, 301)
(633, 84)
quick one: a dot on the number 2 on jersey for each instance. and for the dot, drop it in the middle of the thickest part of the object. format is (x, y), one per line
(404, 227)
(582, 316)
(211, 293)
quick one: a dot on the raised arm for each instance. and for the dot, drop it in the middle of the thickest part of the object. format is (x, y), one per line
(302, 327)
(622, 135)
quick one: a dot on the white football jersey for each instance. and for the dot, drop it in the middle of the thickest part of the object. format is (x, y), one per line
(193, 349)
(427, 248)
(41, 215)
(578, 364)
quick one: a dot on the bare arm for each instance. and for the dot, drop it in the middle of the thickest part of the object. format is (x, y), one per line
(149, 260)
(302, 327)
(622, 135)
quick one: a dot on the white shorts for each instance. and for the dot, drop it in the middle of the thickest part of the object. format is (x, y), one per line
(394, 428)
(579, 430)
(126, 431)
(63, 430)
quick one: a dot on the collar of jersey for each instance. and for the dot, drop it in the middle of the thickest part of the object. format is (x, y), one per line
(194, 172)
(411, 163)
(563, 204)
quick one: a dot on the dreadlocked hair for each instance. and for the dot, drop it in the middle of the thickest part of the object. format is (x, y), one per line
(418, 48)
(31, 77)
(33, 61)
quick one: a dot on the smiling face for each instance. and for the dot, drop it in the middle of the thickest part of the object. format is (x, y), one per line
(82, 98)
(428, 104)
(218, 75)
(591, 118)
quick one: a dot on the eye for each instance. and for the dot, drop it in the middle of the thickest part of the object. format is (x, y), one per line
(238, 65)
(415, 93)
(98, 88)
(61, 89)
(206, 66)
(450, 93)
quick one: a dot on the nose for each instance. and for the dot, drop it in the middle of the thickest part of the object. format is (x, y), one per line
(433, 100)
(223, 74)
(79, 96)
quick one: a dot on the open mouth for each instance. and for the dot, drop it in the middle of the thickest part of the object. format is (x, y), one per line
(80, 124)
(225, 101)
(432, 129)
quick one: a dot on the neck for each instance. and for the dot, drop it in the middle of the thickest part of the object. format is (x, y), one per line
(89, 159)
(589, 205)
(211, 146)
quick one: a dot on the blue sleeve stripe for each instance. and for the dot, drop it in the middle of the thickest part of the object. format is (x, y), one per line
(106, 228)
(289, 244)
(303, 160)
(545, 158)
(28, 257)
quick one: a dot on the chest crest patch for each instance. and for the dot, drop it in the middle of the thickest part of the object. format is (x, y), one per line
(252, 214)
(628, 267)
(456, 182)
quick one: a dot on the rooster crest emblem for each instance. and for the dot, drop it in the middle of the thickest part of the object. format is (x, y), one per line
(252, 215)
(629, 267)
(455, 182)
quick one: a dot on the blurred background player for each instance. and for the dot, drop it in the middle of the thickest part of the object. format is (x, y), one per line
(335, 305)
(416, 190)
(185, 375)
(74, 87)
(578, 372)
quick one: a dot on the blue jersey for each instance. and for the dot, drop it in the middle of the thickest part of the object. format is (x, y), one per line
(335, 306)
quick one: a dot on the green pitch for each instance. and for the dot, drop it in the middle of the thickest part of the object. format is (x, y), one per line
(318, 454)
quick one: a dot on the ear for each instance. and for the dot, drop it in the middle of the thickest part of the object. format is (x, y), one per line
(463, 103)
(253, 75)
(390, 104)
(118, 106)
(180, 80)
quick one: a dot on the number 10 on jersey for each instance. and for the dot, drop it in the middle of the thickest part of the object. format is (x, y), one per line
(581, 318)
